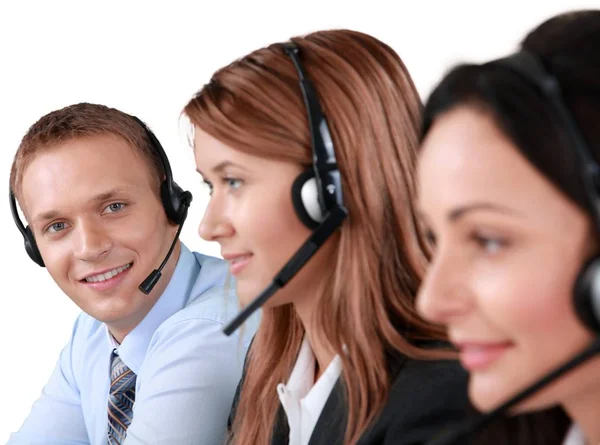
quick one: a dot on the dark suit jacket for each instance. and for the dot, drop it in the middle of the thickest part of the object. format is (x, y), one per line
(426, 397)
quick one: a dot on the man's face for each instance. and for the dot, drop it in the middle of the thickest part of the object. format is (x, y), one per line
(99, 224)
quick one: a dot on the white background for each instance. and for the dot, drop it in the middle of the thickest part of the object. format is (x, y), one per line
(148, 58)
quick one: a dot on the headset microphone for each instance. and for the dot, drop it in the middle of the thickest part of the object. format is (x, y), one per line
(316, 194)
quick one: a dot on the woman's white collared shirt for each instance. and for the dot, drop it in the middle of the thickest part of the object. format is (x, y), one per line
(303, 399)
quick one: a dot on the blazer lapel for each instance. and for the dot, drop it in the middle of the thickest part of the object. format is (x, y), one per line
(331, 425)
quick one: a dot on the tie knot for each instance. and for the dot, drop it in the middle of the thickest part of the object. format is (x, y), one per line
(121, 377)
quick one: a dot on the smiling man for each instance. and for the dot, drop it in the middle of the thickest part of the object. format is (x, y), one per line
(139, 368)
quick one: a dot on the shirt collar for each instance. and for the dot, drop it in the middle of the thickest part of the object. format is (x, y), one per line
(133, 348)
(302, 379)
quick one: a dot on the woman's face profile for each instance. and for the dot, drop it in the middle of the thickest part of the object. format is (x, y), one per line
(508, 248)
(251, 215)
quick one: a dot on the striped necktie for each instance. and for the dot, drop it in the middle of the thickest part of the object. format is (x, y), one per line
(120, 400)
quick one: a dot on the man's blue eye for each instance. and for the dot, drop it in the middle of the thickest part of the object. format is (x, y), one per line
(115, 207)
(56, 227)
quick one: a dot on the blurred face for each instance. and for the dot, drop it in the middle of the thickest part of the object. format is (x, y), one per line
(100, 226)
(508, 248)
(251, 215)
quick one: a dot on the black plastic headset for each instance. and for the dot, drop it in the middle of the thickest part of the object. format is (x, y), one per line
(316, 194)
(174, 199)
(318, 190)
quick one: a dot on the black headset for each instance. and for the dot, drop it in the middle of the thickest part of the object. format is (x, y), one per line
(174, 199)
(318, 190)
(586, 295)
(316, 194)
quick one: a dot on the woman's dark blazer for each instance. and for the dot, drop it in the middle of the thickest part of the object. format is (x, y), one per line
(426, 398)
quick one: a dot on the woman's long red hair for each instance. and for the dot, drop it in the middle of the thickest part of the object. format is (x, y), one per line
(373, 110)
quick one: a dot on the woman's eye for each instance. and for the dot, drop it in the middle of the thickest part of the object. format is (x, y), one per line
(489, 244)
(234, 183)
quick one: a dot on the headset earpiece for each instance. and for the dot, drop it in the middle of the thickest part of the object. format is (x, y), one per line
(175, 201)
(305, 198)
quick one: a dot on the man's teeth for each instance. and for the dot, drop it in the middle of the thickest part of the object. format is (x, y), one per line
(238, 259)
(108, 275)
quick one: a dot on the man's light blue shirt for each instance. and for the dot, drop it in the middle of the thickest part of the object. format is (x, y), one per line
(187, 369)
